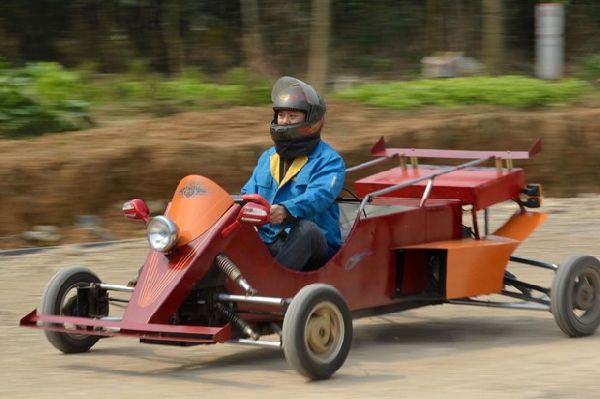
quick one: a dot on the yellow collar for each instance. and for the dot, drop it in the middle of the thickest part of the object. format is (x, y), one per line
(292, 171)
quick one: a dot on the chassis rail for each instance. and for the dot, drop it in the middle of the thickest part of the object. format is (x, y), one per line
(113, 328)
(496, 304)
(534, 262)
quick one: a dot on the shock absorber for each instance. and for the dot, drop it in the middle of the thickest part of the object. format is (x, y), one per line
(232, 271)
(235, 319)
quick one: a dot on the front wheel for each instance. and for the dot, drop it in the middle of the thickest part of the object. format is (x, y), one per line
(575, 296)
(317, 331)
(60, 298)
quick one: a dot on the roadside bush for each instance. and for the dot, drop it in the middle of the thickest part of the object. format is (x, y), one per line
(41, 98)
(589, 68)
(189, 90)
(512, 91)
(44, 97)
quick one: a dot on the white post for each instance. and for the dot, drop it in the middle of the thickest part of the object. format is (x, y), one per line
(549, 47)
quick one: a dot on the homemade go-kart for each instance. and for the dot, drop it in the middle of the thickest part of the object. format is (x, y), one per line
(209, 278)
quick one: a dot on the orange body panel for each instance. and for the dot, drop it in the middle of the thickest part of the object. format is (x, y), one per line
(197, 204)
(474, 267)
(521, 225)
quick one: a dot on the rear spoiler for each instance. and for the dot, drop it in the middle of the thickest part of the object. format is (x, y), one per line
(380, 150)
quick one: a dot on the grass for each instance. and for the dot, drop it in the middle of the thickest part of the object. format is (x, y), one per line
(511, 91)
(44, 97)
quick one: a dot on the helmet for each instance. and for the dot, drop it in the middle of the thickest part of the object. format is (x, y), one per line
(294, 95)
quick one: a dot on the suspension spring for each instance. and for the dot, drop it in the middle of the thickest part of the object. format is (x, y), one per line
(232, 271)
(235, 319)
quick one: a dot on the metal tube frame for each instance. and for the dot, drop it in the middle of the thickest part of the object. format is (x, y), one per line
(523, 285)
(261, 300)
(505, 305)
(475, 224)
(486, 221)
(263, 343)
(370, 163)
(534, 262)
(116, 287)
(524, 297)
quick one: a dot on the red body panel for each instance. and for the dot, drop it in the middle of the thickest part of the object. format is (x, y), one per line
(481, 187)
(363, 269)
(166, 280)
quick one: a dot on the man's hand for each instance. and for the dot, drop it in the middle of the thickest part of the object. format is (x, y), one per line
(278, 214)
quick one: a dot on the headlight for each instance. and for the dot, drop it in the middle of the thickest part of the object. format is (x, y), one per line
(162, 233)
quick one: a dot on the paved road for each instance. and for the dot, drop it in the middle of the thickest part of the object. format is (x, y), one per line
(445, 351)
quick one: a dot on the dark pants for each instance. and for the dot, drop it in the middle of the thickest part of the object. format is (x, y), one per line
(305, 248)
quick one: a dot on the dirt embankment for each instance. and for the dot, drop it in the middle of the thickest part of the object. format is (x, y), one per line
(55, 178)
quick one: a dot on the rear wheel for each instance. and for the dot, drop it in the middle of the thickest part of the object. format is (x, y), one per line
(317, 331)
(60, 298)
(575, 296)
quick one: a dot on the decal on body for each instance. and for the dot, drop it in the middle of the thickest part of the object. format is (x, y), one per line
(354, 260)
(193, 190)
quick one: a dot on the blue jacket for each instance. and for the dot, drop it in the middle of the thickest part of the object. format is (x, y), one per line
(308, 190)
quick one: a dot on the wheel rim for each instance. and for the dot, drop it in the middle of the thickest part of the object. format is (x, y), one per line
(324, 332)
(585, 295)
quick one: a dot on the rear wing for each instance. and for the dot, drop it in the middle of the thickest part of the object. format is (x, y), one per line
(478, 186)
(380, 150)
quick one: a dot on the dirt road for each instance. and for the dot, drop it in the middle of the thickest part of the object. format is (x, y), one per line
(446, 351)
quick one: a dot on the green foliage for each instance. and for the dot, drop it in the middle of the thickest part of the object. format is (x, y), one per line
(589, 68)
(40, 98)
(512, 91)
(149, 92)
(44, 97)
(252, 91)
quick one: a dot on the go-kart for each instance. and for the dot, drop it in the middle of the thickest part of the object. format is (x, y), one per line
(209, 278)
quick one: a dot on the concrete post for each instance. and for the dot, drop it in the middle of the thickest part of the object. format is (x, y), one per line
(549, 42)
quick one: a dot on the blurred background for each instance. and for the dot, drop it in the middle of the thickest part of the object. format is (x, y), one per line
(381, 38)
(106, 100)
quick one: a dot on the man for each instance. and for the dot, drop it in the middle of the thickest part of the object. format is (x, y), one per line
(300, 176)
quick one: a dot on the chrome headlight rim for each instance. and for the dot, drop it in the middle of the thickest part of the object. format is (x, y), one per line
(162, 233)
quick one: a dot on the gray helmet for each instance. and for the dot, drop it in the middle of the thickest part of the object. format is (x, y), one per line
(294, 95)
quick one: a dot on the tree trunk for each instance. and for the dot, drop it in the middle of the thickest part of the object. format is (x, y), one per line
(109, 50)
(9, 43)
(251, 39)
(493, 36)
(318, 58)
(170, 14)
(459, 43)
(434, 27)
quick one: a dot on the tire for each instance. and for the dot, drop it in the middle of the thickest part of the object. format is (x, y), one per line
(317, 331)
(59, 299)
(575, 296)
